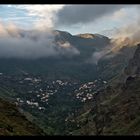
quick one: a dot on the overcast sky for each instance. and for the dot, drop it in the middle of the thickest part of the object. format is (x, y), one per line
(72, 18)
(119, 22)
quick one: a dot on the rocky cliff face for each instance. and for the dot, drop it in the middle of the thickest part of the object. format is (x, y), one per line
(134, 64)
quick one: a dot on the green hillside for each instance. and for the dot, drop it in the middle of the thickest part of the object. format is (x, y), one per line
(115, 110)
(12, 122)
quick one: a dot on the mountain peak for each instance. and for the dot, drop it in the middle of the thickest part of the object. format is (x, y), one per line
(57, 32)
(86, 35)
(90, 36)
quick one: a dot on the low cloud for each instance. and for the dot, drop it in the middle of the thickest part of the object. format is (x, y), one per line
(33, 44)
(65, 48)
(105, 52)
(128, 35)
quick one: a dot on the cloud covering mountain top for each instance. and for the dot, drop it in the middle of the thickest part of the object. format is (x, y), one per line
(31, 44)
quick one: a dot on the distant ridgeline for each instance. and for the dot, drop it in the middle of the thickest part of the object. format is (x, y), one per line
(62, 66)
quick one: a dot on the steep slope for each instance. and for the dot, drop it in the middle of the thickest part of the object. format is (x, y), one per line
(12, 122)
(134, 65)
(112, 67)
(115, 110)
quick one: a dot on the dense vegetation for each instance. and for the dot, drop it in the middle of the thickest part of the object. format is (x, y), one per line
(12, 122)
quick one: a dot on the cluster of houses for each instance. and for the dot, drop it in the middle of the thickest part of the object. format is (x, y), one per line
(40, 89)
(87, 90)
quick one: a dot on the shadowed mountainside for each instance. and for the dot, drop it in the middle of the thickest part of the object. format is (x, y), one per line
(12, 122)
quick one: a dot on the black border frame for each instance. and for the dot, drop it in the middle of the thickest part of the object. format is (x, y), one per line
(67, 2)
